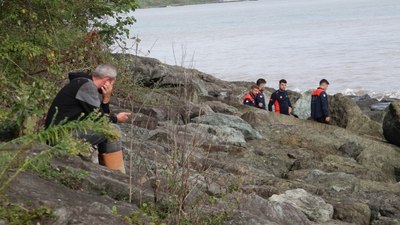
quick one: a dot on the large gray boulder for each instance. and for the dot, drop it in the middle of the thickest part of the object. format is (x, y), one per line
(391, 124)
(351, 149)
(385, 208)
(190, 83)
(152, 73)
(337, 181)
(190, 111)
(293, 96)
(69, 206)
(314, 207)
(220, 107)
(302, 107)
(352, 212)
(346, 113)
(217, 134)
(365, 102)
(254, 210)
(322, 138)
(372, 107)
(383, 156)
(235, 122)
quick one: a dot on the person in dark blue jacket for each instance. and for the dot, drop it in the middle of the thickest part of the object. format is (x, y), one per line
(280, 100)
(260, 97)
(319, 103)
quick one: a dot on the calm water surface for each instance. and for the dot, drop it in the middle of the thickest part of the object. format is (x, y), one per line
(355, 44)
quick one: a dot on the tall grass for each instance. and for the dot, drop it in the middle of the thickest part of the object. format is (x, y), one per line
(176, 180)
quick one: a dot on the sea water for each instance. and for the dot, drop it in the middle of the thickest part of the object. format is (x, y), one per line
(355, 44)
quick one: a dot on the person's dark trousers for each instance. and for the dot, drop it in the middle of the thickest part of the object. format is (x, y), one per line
(109, 152)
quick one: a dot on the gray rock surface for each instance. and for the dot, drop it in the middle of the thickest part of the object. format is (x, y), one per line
(231, 159)
(351, 149)
(302, 107)
(346, 113)
(254, 210)
(335, 181)
(70, 207)
(218, 134)
(352, 212)
(391, 124)
(219, 119)
(371, 107)
(314, 207)
(220, 107)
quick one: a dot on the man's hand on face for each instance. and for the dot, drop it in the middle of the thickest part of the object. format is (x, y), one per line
(107, 91)
(122, 117)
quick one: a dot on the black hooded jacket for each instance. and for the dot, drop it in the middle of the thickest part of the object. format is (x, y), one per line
(76, 100)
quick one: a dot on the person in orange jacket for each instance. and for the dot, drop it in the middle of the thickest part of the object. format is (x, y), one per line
(250, 98)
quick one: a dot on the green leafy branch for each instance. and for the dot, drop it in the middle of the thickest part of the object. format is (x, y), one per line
(62, 140)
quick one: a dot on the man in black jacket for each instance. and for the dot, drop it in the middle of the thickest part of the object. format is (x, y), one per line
(260, 97)
(319, 103)
(280, 100)
(81, 97)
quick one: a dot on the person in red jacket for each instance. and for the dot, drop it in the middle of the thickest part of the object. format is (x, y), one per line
(319, 103)
(280, 100)
(250, 98)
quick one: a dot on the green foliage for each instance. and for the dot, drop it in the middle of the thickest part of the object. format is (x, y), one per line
(215, 219)
(31, 100)
(45, 28)
(94, 122)
(139, 216)
(114, 210)
(41, 40)
(18, 215)
(162, 214)
(69, 177)
(235, 184)
(63, 141)
(148, 212)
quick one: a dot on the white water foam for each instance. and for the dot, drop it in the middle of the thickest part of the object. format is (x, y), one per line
(360, 92)
(373, 94)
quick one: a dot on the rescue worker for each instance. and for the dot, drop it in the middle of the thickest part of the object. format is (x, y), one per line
(80, 97)
(280, 100)
(319, 103)
(250, 98)
(260, 97)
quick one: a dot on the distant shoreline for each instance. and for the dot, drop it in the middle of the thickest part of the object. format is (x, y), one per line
(194, 3)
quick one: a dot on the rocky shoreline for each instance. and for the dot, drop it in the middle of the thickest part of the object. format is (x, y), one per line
(252, 166)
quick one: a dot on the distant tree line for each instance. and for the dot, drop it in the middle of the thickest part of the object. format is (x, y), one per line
(163, 3)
